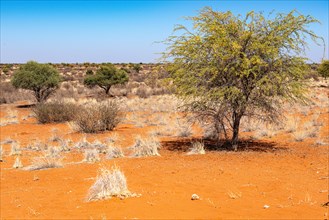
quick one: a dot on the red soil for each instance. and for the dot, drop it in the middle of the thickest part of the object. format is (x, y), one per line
(290, 177)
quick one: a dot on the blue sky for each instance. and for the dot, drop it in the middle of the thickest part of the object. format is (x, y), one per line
(118, 31)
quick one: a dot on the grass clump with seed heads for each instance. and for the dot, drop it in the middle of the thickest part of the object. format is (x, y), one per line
(91, 156)
(144, 147)
(109, 183)
(18, 163)
(197, 148)
(114, 152)
(49, 159)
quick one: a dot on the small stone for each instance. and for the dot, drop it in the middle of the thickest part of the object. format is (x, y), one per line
(266, 206)
(195, 197)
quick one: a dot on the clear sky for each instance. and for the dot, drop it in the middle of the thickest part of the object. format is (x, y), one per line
(118, 31)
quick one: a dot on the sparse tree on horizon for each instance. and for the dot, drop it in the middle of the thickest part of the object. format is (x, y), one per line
(106, 76)
(229, 67)
(41, 79)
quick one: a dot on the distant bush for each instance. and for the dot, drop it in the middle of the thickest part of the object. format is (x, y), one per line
(56, 111)
(90, 72)
(323, 69)
(99, 117)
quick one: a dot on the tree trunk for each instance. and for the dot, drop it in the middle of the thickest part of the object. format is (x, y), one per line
(236, 126)
(107, 90)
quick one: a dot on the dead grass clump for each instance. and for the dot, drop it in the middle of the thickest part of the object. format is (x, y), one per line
(144, 147)
(114, 152)
(65, 144)
(91, 156)
(210, 133)
(109, 183)
(1, 153)
(56, 111)
(291, 124)
(114, 137)
(37, 145)
(18, 163)
(99, 146)
(197, 148)
(8, 140)
(82, 144)
(98, 117)
(184, 129)
(320, 143)
(305, 133)
(15, 149)
(47, 160)
(234, 195)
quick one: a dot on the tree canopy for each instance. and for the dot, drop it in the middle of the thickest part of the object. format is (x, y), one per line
(106, 76)
(231, 66)
(42, 79)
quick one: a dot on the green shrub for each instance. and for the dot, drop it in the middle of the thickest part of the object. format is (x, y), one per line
(98, 117)
(90, 72)
(323, 69)
(56, 111)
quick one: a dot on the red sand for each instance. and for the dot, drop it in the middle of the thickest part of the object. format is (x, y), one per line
(290, 177)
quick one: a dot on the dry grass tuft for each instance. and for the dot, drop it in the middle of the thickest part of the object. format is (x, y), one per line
(91, 156)
(114, 152)
(234, 195)
(18, 163)
(1, 153)
(144, 147)
(15, 149)
(184, 129)
(197, 148)
(291, 124)
(49, 159)
(109, 183)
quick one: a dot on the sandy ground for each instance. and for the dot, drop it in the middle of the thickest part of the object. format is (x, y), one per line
(290, 178)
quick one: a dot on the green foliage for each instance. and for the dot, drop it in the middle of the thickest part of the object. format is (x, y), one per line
(323, 69)
(42, 79)
(231, 66)
(106, 76)
(137, 67)
(89, 72)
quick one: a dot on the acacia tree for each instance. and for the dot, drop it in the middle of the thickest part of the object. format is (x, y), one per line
(229, 67)
(42, 79)
(106, 76)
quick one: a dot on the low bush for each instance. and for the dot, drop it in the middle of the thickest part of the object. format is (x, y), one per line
(56, 111)
(98, 117)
